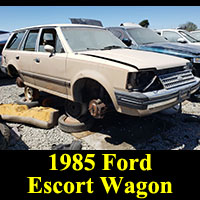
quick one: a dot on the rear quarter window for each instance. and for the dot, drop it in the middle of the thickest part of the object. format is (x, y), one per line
(15, 41)
(31, 39)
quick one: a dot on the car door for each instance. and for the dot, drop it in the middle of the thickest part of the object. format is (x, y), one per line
(49, 68)
(25, 56)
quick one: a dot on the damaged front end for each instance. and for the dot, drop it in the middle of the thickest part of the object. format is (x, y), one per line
(151, 91)
(143, 81)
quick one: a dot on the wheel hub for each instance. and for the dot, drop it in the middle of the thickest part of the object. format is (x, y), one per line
(97, 108)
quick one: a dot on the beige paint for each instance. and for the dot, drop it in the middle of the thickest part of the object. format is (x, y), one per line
(71, 66)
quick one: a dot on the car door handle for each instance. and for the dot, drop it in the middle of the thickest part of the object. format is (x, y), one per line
(17, 57)
(37, 60)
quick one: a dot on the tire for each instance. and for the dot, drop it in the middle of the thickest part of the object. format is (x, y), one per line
(75, 109)
(4, 136)
(74, 125)
(29, 104)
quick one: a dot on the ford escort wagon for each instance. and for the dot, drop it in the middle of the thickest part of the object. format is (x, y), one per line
(95, 71)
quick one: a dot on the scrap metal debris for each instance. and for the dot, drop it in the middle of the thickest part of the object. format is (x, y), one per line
(75, 145)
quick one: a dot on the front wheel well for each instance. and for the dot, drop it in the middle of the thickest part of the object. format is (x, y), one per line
(86, 89)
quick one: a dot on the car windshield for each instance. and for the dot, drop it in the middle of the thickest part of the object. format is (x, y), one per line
(144, 36)
(188, 36)
(84, 39)
(196, 35)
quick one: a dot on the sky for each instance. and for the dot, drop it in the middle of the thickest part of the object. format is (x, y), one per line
(14, 17)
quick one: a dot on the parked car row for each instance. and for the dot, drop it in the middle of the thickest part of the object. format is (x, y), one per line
(146, 39)
(178, 35)
(95, 71)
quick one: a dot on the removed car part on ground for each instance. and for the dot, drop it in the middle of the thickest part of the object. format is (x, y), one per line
(75, 145)
(70, 125)
(42, 117)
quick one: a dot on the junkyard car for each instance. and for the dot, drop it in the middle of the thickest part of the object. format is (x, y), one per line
(95, 71)
(146, 39)
(196, 34)
(178, 35)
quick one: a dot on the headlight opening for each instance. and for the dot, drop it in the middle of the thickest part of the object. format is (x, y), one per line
(143, 81)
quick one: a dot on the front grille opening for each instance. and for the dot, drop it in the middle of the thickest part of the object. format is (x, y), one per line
(176, 79)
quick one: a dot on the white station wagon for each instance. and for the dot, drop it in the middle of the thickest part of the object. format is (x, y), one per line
(94, 71)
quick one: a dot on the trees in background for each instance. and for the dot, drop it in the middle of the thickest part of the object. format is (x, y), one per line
(144, 23)
(189, 26)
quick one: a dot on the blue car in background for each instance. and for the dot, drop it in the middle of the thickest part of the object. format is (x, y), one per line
(3, 39)
(137, 37)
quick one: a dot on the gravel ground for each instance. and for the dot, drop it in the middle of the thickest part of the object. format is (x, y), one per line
(155, 132)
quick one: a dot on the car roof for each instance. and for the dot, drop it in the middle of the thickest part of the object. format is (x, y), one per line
(197, 31)
(171, 29)
(126, 27)
(58, 25)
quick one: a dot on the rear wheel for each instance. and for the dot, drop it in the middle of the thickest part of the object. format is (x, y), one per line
(31, 94)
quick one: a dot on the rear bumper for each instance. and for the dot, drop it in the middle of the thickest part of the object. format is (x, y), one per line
(157, 100)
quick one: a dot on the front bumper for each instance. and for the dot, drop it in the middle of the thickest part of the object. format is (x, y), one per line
(157, 99)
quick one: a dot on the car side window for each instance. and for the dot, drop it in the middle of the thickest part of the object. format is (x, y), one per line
(171, 36)
(59, 47)
(31, 40)
(50, 37)
(14, 42)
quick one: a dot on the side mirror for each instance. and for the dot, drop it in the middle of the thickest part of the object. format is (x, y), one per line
(181, 40)
(49, 48)
(127, 42)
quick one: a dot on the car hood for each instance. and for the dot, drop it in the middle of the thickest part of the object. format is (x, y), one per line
(182, 50)
(137, 58)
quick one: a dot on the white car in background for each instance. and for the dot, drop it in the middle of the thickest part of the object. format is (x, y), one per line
(178, 35)
(196, 34)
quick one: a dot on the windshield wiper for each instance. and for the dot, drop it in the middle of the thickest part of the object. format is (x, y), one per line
(112, 47)
(91, 48)
(148, 43)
